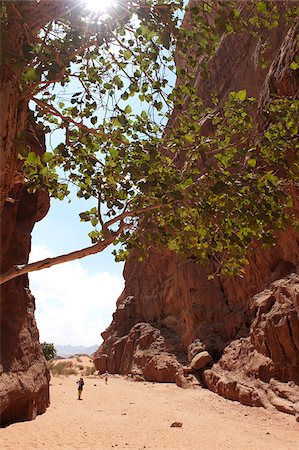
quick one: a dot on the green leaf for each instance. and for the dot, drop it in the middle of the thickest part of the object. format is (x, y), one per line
(294, 65)
(47, 156)
(251, 162)
(241, 95)
(128, 109)
(127, 54)
(30, 75)
(261, 7)
(113, 152)
(31, 157)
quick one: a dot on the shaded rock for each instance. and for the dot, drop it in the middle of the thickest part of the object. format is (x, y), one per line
(193, 349)
(162, 368)
(176, 425)
(101, 363)
(263, 368)
(201, 360)
(145, 353)
(24, 376)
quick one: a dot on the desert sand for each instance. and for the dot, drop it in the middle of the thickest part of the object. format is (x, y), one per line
(127, 415)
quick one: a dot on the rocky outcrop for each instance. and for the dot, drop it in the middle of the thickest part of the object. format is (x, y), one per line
(263, 368)
(24, 377)
(247, 326)
(182, 313)
(141, 350)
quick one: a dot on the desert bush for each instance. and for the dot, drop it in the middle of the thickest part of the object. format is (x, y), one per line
(80, 367)
(48, 350)
(70, 371)
(59, 368)
(89, 371)
(62, 368)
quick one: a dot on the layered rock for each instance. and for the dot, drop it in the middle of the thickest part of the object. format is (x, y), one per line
(169, 308)
(254, 336)
(263, 368)
(24, 377)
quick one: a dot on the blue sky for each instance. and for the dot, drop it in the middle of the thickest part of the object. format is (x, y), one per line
(74, 301)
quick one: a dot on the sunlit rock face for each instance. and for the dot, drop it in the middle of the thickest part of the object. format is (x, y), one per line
(24, 377)
(249, 326)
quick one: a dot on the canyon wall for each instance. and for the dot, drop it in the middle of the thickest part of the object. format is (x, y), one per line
(238, 336)
(24, 376)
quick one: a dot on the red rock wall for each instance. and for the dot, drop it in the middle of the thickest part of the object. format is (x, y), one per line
(24, 376)
(185, 312)
(262, 369)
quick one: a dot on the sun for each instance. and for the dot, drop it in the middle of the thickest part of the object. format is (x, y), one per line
(98, 5)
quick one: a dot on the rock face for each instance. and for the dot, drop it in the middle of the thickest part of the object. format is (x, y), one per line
(24, 377)
(262, 369)
(170, 311)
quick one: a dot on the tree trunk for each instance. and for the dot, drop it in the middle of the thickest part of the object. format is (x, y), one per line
(13, 123)
(13, 107)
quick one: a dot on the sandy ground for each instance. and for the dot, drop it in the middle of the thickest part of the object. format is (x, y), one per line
(127, 415)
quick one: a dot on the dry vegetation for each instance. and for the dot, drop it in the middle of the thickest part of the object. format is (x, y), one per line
(81, 365)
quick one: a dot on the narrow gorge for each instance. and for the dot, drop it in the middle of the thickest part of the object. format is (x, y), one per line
(238, 336)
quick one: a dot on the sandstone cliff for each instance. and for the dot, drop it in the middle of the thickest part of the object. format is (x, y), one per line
(170, 314)
(24, 376)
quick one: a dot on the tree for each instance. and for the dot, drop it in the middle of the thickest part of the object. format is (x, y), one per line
(49, 350)
(208, 197)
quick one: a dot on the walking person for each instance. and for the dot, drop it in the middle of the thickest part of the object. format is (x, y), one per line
(80, 384)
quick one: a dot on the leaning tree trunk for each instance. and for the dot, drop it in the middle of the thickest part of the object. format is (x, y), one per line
(13, 106)
(13, 123)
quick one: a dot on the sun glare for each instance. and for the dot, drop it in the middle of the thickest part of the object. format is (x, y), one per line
(98, 5)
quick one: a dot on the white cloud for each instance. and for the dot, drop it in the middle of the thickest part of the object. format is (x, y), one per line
(72, 305)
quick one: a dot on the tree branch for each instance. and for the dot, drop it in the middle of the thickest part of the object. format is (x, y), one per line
(109, 237)
(22, 269)
(51, 109)
(123, 215)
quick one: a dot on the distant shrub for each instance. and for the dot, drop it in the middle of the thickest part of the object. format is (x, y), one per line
(80, 367)
(58, 369)
(62, 368)
(72, 371)
(49, 350)
(50, 365)
(90, 371)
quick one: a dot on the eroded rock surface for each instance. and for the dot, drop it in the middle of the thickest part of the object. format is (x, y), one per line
(263, 368)
(24, 377)
(249, 326)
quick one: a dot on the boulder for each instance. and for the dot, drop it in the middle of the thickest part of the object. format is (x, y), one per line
(200, 361)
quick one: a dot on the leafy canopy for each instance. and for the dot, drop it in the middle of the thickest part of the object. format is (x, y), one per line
(48, 350)
(107, 82)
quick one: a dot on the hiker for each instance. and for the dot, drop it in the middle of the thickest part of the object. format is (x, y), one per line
(80, 384)
(106, 377)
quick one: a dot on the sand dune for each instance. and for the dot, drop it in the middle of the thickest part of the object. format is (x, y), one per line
(127, 415)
